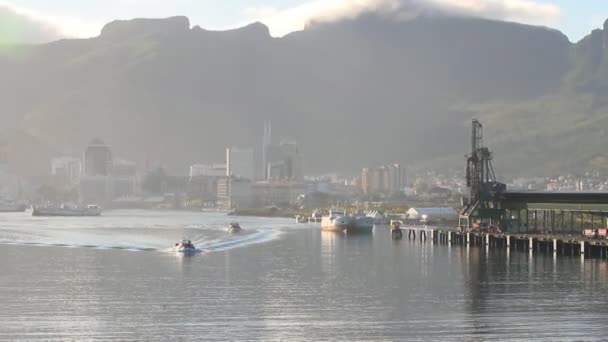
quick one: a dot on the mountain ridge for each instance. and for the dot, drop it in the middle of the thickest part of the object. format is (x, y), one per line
(161, 90)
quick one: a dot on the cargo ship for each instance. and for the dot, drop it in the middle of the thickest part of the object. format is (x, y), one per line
(67, 210)
(12, 207)
(362, 224)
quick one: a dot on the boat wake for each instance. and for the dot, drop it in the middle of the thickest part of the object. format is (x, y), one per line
(205, 238)
(91, 246)
(245, 239)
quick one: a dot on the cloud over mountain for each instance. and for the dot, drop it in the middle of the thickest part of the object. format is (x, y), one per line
(22, 25)
(284, 21)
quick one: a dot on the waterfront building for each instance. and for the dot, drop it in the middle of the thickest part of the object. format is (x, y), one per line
(66, 170)
(240, 162)
(203, 189)
(279, 193)
(203, 183)
(97, 159)
(386, 179)
(124, 179)
(234, 193)
(213, 170)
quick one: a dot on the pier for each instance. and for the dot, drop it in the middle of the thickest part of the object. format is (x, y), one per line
(550, 222)
(493, 207)
(567, 245)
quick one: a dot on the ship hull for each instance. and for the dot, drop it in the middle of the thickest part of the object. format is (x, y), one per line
(65, 212)
(336, 228)
(360, 229)
(13, 209)
(336, 224)
(363, 225)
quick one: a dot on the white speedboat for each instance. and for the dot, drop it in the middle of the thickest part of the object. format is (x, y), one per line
(234, 228)
(185, 247)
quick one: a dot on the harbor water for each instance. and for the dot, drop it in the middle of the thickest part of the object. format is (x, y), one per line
(115, 277)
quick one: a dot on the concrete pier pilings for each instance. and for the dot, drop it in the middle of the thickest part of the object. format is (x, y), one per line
(567, 245)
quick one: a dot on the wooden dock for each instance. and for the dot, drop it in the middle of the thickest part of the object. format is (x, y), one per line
(568, 245)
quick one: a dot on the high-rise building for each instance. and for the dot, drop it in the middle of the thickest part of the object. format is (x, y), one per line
(240, 162)
(282, 161)
(95, 184)
(266, 145)
(292, 158)
(97, 159)
(66, 170)
(395, 178)
(387, 179)
(373, 180)
(3, 156)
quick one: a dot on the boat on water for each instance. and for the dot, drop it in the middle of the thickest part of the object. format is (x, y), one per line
(12, 207)
(362, 224)
(185, 247)
(336, 222)
(234, 228)
(68, 210)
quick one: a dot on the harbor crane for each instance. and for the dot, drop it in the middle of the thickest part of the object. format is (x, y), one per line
(483, 202)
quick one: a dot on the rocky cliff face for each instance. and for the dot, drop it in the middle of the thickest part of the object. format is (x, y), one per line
(353, 93)
(136, 27)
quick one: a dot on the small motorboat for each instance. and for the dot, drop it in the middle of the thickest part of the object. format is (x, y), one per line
(235, 228)
(186, 247)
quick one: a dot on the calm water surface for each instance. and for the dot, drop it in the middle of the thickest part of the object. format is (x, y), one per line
(116, 278)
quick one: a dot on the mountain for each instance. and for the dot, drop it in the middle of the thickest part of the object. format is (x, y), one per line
(562, 131)
(353, 93)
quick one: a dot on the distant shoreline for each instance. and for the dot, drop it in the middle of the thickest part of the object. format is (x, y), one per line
(270, 213)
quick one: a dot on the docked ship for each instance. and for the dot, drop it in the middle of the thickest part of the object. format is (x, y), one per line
(12, 207)
(67, 210)
(362, 224)
(336, 222)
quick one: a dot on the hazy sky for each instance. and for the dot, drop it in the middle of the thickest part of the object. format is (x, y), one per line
(47, 19)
